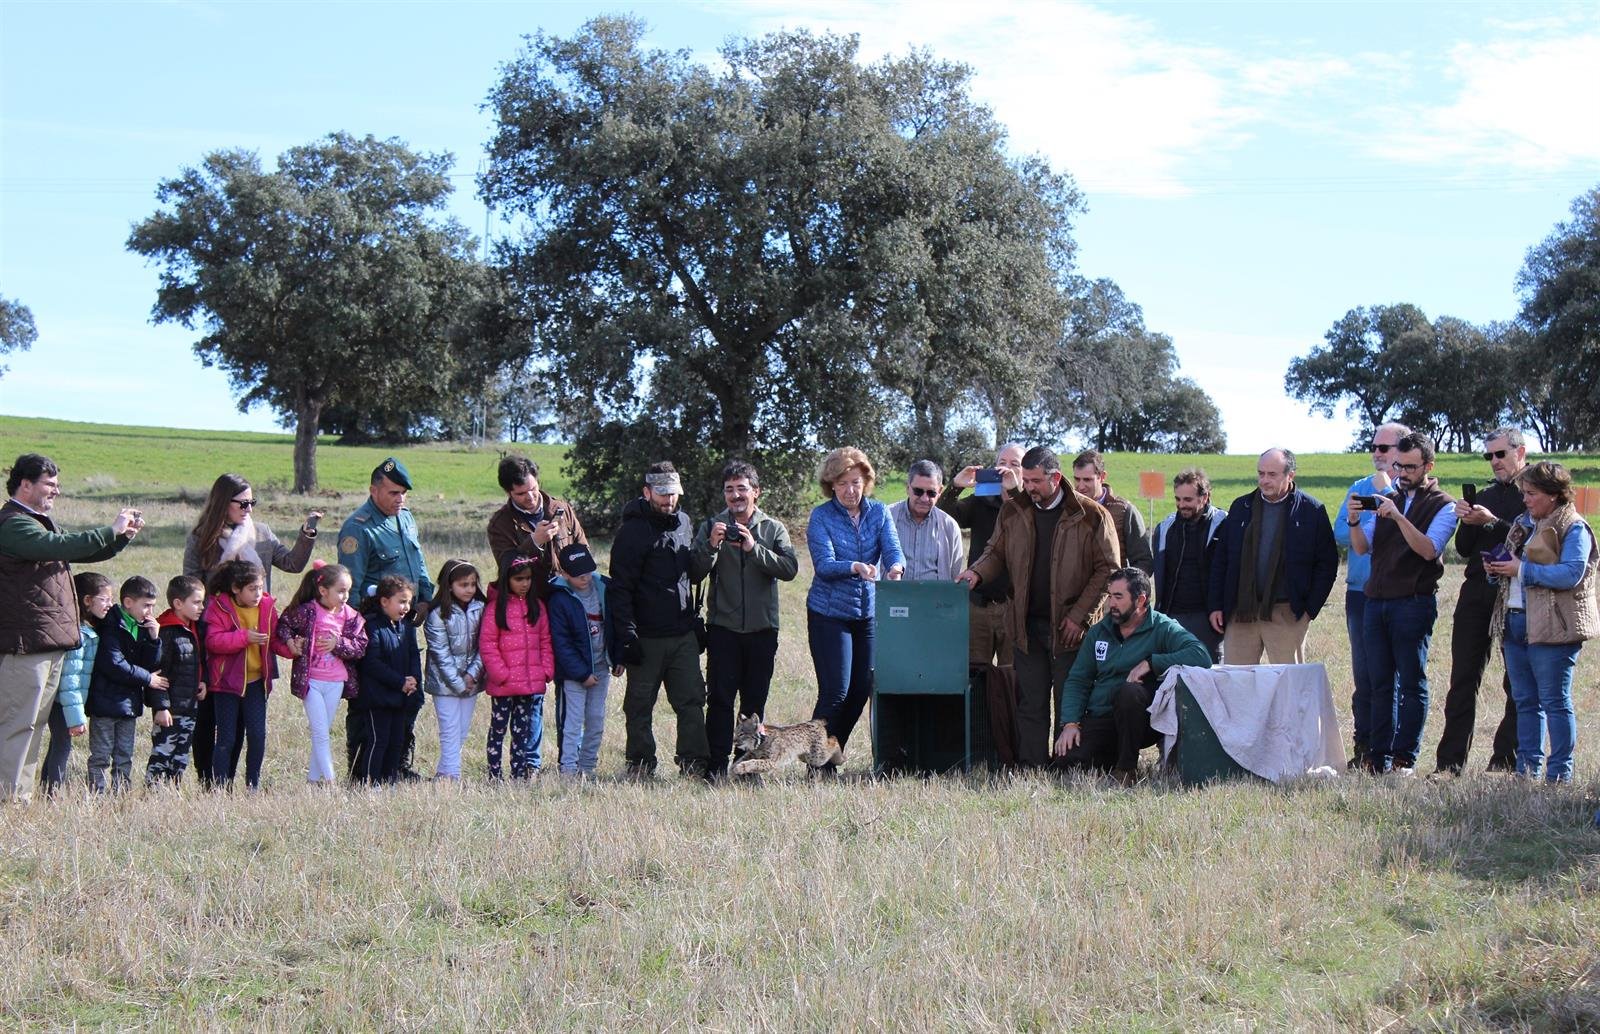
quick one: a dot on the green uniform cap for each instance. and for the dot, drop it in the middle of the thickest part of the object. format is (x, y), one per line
(395, 471)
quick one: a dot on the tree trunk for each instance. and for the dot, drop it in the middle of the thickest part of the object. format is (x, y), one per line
(308, 422)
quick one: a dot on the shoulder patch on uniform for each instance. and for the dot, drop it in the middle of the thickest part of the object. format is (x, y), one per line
(348, 544)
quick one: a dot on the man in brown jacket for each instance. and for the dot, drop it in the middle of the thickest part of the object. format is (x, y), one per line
(1059, 550)
(532, 522)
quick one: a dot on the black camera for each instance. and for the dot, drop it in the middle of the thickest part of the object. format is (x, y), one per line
(733, 533)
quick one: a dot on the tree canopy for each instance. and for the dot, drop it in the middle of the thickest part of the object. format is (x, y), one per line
(788, 251)
(1560, 289)
(326, 283)
(17, 332)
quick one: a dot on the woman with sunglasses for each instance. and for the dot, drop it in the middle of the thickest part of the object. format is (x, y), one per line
(226, 531)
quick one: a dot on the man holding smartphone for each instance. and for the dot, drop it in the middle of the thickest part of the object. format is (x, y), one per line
(1485, 518)
(532, 522)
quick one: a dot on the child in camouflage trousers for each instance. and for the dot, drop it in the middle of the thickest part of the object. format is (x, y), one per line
(182, 661)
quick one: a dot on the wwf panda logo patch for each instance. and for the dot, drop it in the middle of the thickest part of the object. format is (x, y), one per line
(1102, 649)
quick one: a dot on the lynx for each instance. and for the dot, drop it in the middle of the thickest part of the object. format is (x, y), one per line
(766, 747)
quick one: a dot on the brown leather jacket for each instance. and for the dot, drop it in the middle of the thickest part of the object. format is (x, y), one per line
(509, 531)
(1083, 555)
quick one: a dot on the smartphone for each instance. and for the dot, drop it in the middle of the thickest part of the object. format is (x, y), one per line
(558, 513)
(1368, 502)
(1469, 494)
(987, 482)
(312, 519)
(1498, 555)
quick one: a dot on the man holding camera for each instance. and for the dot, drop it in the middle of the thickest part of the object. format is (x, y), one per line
(978, 513)
(1485, 518)
(1414, 525)
(39, 609)
(532, 522)
(929, 537)
(747, 554)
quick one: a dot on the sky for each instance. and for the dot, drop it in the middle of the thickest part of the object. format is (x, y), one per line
(1252, 171)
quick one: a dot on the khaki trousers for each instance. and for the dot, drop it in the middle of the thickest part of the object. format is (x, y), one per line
(986, 635)
(1282, 639)
(28, 683)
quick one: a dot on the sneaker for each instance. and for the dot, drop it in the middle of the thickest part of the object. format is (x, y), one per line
(1404, 771)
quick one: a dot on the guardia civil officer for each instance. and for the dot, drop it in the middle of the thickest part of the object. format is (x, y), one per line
(380, 539)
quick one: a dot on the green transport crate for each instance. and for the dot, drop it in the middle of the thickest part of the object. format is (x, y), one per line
(928, 714)
(1198, 756)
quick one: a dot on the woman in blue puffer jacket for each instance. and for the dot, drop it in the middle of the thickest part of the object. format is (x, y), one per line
(852, 542)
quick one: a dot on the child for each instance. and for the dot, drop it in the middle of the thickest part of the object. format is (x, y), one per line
(455, 670)
(241, 664)
(67, 719)
(327, 637)
(580, 633)
(125, 666)
(518, 662)
(391, 672)
(183, 664)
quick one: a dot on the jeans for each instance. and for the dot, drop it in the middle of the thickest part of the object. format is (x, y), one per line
(1398, 633)
(842, 651)
(204, 745)
(236, 714)
(321, 703)
(1355, 610)
(111, 746)
(523, 716)
(1541, 683)
(738, 669)
(584, 717)
(54, 771)
(455, 718)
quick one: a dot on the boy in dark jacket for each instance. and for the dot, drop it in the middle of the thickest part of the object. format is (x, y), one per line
(391, 673)
(183, 664)
(124, 670)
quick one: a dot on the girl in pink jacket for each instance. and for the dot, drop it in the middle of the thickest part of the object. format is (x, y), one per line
(517, 663)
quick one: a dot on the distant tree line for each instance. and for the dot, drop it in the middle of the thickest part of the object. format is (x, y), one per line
(785, 251)
(1455, 380)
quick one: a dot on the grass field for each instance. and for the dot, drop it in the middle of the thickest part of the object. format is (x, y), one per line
(915, 904)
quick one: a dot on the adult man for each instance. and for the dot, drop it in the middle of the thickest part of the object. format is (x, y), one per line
(986, 620)
(1058, 549)
(380, 539)
(1407, 550)
(1357, 567)
(655, 623)
(1183, 545)
(1273, 568)
(747, 554)
(39, 609)
(929, 537)
(532, 522)
(1089, 480)
(1483, 525)
(1105, 701)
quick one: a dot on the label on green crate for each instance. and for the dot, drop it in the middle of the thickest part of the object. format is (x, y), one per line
(899, 612)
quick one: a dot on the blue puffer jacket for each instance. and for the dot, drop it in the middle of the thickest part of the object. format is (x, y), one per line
(75, 671)
(836, 542)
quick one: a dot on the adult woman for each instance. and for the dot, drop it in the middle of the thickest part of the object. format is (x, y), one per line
(1546, 610)
(227, 530)
(852, 539)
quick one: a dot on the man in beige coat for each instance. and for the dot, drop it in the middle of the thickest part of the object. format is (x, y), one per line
(1059, 550)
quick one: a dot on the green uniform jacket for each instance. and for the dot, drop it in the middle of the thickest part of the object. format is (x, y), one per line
(1105, 658)
(744, 586)
(372, 545)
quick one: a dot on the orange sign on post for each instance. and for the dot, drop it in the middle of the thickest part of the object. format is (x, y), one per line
(1152, 484)
(1588, 500)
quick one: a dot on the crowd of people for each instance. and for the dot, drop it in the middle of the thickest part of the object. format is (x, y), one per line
(1082, 607)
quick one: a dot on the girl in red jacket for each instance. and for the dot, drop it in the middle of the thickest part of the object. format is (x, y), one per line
(517, 661)
(241, 664)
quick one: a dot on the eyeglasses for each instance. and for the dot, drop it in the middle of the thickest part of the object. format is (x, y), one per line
(244, 504)
(1496, 454)
(929, 492)
(1381, 448)
(1405, 468)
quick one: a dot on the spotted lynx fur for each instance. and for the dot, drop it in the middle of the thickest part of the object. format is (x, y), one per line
(767, 747)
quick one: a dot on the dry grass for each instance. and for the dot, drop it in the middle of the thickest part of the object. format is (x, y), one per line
(943, 904)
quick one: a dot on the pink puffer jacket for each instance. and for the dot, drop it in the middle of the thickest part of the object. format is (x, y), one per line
(517, 660)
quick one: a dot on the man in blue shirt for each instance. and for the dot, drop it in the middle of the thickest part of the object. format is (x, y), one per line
(1357, 567)
(1406, 549)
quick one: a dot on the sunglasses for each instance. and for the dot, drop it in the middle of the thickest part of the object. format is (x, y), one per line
(920, 492)
(1496, 454)
(1381, 448)
(244, 504)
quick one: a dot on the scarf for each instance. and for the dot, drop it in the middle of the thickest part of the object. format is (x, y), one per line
(1256, 594)
(235, 542)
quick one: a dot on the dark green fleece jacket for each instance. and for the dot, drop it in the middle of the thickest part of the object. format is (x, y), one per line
(1105, 658)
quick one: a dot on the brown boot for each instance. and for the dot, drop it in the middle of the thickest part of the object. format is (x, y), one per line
(1125, 776)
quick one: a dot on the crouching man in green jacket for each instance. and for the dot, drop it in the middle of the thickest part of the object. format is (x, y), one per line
(1105, 699)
